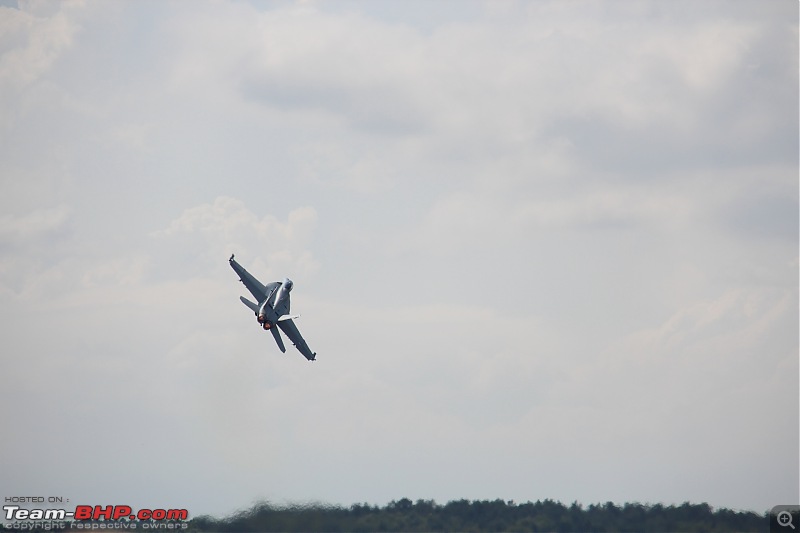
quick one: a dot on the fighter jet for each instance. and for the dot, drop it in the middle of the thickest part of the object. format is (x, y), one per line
(272, 308)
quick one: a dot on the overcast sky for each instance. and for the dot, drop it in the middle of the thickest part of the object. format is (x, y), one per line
(542, 249)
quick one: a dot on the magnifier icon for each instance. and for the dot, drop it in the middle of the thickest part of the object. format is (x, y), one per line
(785, 519)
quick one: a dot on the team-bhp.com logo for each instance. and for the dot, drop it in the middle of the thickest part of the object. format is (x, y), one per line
(95, 517)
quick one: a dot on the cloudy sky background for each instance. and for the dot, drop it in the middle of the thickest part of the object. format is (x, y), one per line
(543, 250)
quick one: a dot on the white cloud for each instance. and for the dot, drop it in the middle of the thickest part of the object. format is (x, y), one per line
(33, 40)
(227, 226)
(31, 248)
(33, 226)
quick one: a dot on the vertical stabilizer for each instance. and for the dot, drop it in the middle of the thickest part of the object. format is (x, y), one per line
(278, 339)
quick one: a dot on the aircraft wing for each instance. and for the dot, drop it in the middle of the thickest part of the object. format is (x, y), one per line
(291, 331)
(255, 287)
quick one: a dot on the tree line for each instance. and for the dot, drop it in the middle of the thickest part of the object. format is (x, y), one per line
(485, 515)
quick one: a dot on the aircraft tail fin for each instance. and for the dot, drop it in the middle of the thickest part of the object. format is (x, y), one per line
(278, 339)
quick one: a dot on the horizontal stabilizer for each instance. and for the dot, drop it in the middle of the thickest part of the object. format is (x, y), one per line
(288, 317)
(248, 303)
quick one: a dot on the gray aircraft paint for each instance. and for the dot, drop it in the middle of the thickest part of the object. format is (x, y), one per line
(274, 304)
